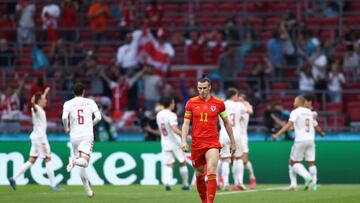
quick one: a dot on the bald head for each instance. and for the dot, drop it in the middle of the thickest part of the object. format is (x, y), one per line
(299, 101)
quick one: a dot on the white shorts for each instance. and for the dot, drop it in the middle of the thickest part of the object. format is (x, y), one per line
(244, 144)
(241, 148)
(169, 156)
(82, 144)
(40, 149)
(305, 149)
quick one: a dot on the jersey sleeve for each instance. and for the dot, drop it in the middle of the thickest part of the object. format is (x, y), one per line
(94, 107)
(315, 123)
(66, 111)
(293, 116)
(188, 110)
(222, 110)
(173, 119)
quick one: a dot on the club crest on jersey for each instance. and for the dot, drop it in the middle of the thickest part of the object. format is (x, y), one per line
(213, 108)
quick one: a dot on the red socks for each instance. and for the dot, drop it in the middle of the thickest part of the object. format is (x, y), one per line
(211, 187)
(201, 187)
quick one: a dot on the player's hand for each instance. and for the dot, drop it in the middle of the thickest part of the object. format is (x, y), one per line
(184, 146)
(274, 136)
(67, 131)
(322, 133)
(232, 148)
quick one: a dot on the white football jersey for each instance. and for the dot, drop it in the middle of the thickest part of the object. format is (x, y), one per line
(169, 140)
(234, 111)
(244, 123)
(304, 124)
(39, 123)
(79, 111)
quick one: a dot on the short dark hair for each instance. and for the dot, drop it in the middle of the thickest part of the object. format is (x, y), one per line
(204, 78)
(231, 92)
(309, 97)
(167, 101)
(37, 97)
(78, 89)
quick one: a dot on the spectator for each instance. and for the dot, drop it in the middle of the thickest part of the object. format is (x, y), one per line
(50, 16)
(154, 16)
(351, 61)
(227, 67)
(149, 125)
(88, 63)
(124, 13)
(319, 62)
(39, 86)
(280, 117)
(25, 15)
(152, 88)
(348, 36)
(275, 47)
(7, 55)
(96, 82)
(168, 92)
(59, 53)
(77, 53)
(120, 89)
(10, 101)
(260, 74)
(216, 89)
(7, 25)
(105, 130)
(191, 26)
(195, 49)
(231, 30)
(215, 46)
(98, 17)
(336, 80)
(306, 79)
(69, 19)
(126, 56)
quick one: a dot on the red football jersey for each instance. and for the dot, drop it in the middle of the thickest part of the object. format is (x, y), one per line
(204, 116)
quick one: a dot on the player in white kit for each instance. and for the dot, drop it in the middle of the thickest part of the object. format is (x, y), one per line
(39, 143)
(244, 123)
(304, 124)
(78, 121)
(235, 111)
(171, 144)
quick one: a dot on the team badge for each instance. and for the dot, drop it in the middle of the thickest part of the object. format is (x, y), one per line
(213, 108)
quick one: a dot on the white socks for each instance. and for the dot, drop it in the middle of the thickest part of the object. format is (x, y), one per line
(225, 170)
(84, 179)
(50, 173)
(238, 171)
(184, 175)
(82, 162)
(300, 170)
(22, 169)
(292, 175)
(250, 170)
(313, 173)
(168, 174)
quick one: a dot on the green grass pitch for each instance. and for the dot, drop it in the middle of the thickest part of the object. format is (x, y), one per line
(157, 194)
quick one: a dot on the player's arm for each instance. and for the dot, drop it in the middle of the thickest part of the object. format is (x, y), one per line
(285, 128)
(65, 119)
(97, 114)
(46, 91)
(184, 133)
(176, 129)
(33, 103)
(320, 131)
(249, 108)
(229, 131)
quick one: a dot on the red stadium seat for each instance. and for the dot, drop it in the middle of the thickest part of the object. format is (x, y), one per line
(337, 107)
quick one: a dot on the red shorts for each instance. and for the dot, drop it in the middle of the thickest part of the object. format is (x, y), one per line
(198, 155)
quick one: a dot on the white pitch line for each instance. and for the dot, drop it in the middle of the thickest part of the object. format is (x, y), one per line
(247, 191)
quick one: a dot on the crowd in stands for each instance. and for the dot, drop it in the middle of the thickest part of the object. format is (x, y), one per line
(58, 43)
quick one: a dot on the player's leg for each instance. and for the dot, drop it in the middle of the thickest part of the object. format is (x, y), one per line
(168, 165)
(247, 164)
(225, 158)
(296, 156)
(45, 153)
(184, 172)
(82, 149)
(212, 158)
(310, 159)
(200, 183)
(238, 168)
(292, 176)
(22, 170)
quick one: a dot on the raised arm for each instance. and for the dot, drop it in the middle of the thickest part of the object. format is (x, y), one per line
(283, 129)
(134, 78)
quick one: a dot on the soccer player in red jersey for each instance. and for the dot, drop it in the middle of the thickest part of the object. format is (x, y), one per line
(203, 111)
